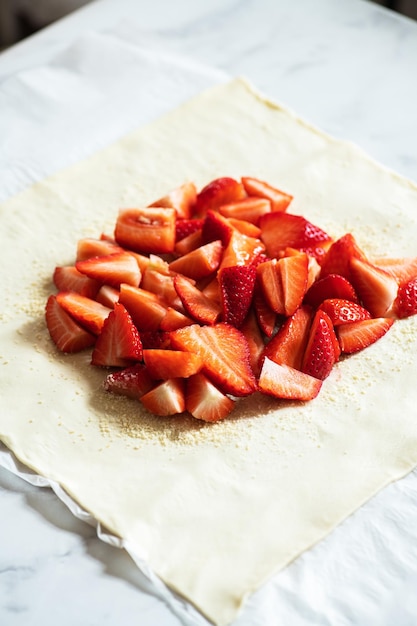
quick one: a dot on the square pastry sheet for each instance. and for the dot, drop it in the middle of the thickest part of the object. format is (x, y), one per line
(213, 510)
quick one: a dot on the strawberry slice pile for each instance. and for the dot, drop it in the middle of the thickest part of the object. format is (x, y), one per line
(207, 296)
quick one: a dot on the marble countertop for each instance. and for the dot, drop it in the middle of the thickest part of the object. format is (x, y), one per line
(348, 66)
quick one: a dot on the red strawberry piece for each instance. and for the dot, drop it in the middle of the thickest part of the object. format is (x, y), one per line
(185, 227)
(225, 355)
(163, 364)
(119, 342)
(241, 250)
(156, 339)
(183, 199)
(330, 286)
(199, 263)
(112, 269)
(107, 295)
(68, 278)
(339, 255)
(322, 350)
(279, 199)
(90, 314)
(402, 269)
(67, 335)
(253, 335)
(249, 209)
(356, 336)
(212, 290)
(288, 345)
(317, 252)
(244, 227)
(188, 243)
(265, 315)
(405, 303)
(200, 307)
(165, 399)
(89, 247)
(205, 401)
(131, 381)
(162, 285)
(376, 289)
(237, 284)
(344, 311)
(215, 226)
(270, 284)
(146, 230)
(294, 276)
(283, 230)
(217, 192)
(174, 319)
(146, 308)
(283, 381)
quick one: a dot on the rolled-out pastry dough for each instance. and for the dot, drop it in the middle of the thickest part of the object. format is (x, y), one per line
(214, 510)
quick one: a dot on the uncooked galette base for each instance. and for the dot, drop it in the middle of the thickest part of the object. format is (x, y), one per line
(216, 509)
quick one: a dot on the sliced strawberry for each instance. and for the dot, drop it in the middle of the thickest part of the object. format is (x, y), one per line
(318, 252)
(162, 285)
(344, 311)
(402, 269)
(330, 286)
(185, 227)
(405, 303)
(66, 334)
(339, 255)
(356, 336)
(237, 284)
(283, 381)
(199, 263)
(216, 226)
(119, 342)
(322, 350)
(265, 315)
(163, 364)
(249, 209)
(241, 249)
(107, 295)
(183, 199)
(165, 399)
(89, 247)
(146, 308)
(132, 381)
(288, 345)
(283, 230)
(200, 307)
(244, 227)
(212, 290)
(253, 335)
(156, 339)
(376, 289)
(294, 276)
(270, 284)
(112, 269)
(189, 242)
(174, 319)
(217, 192)
(205, 401)
(90, 314)
(144, 230)
(225, 355)
(258, 188)
(68, 278)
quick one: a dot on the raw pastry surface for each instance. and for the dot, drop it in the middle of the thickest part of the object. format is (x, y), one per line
(214, 509)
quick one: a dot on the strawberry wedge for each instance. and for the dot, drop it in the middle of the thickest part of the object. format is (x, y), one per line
(225, 355)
